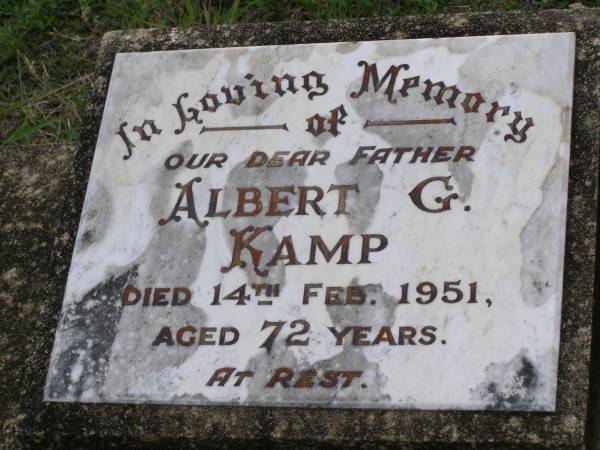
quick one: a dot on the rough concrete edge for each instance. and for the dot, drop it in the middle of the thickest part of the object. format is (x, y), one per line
(20, 233)
(592, 438)
(119, 41)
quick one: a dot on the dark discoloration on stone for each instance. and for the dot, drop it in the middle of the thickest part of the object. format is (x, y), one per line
(96, 338)
(380, 315)
(368, 178)
(99, 218)
(263, 364)
(511, 385)
(61, 426)
(536, 236)
(240, 177)
(160, 261)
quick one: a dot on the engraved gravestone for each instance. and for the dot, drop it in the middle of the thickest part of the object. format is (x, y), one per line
(358, 224)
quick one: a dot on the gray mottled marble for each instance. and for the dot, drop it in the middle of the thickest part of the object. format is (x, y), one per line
(502, 227)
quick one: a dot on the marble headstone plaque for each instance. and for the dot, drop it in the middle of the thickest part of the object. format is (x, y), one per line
(365, 224)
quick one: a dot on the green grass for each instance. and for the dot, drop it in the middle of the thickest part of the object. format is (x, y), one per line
(47, 47)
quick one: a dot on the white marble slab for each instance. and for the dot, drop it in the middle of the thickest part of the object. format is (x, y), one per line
(495, 237)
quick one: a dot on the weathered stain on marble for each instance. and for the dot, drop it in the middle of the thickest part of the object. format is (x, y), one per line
(368, 178)
(514, 384)
(86, 348)
(404, 301)
(97, 218)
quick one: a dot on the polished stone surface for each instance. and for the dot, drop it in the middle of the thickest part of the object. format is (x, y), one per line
(496, 348)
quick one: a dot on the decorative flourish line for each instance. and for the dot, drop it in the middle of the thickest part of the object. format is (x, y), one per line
(381, 123)
(282, 126)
